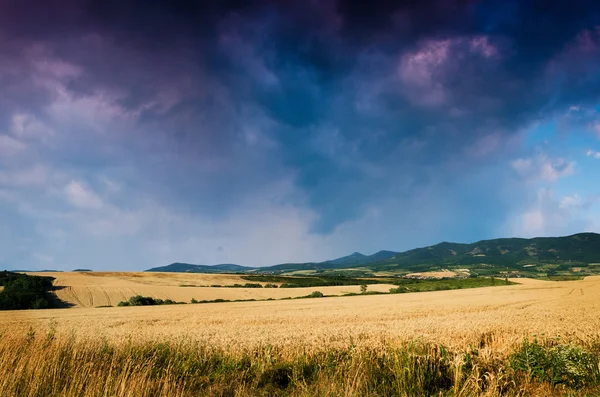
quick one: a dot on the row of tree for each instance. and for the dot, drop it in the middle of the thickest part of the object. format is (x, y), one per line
(21, 291)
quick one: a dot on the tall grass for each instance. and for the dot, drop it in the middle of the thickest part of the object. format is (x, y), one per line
(62, 365)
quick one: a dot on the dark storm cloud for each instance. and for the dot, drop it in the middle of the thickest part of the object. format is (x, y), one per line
(357, 100)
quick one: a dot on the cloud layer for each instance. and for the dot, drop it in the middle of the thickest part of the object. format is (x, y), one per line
(257, 132)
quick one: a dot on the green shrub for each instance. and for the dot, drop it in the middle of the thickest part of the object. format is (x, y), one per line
(139, 300)
(22, 291)
(253, 285)
(316, 294)
(564, 364)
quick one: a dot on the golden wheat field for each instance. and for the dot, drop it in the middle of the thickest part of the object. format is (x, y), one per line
(93, 289)
(459, 343)
(567, 309)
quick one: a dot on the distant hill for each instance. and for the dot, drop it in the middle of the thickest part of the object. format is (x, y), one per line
(359, 259)
(355, 258)
(82, 270)
(189, 268)
(550, 255)
(582, 248)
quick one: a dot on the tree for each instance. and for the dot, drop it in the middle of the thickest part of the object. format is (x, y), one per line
(363, 288)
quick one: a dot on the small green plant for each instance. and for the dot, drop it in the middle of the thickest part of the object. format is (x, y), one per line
(563, 364)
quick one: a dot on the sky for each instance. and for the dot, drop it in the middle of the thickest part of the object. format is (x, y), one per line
(138, 133)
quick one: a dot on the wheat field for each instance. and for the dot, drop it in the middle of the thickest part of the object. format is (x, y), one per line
(457, 318)
(92, 289)
(470, 342)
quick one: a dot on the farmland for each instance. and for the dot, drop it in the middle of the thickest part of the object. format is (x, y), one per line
(92, 289)
(454, 318)
(489, 325)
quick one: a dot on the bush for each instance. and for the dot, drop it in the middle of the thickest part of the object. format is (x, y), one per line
(316, 294)
(564, 364)
(139, 300)
(253, 285)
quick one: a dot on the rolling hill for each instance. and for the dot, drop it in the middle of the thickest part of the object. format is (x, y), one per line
(189, 268)
(550, 255)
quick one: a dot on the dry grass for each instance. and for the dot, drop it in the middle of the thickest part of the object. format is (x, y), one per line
(47, 365)
(92, 289)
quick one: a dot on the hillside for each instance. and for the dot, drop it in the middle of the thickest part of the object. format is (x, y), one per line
(557, 253)
(541, 256)
(189, 268)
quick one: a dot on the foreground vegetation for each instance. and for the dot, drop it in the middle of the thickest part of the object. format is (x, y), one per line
(52, 365)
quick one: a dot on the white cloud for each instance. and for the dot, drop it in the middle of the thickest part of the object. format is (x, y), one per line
(594, 154)
(542, 218)
(523, 166)
(573, 201)
(543, 168)
(28, 128)
(554, 169)
(82, 196)
(423, 71)
(418, 71)
(547, 215)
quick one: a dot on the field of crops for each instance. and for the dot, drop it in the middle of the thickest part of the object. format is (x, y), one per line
(456, 343)
(454, 318)
(93, 289)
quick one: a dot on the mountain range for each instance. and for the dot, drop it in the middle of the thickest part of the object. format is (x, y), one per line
(553, 254)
